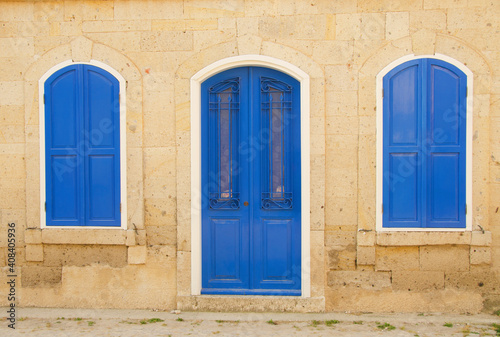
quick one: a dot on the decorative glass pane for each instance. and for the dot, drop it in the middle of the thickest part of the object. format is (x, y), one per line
(276, 117)
(224, 120)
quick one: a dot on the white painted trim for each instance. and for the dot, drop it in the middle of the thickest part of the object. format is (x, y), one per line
(123, 142)
(196, 80)
(379, 126)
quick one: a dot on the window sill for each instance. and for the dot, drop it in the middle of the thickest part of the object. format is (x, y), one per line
(474, 238)
(70, 236)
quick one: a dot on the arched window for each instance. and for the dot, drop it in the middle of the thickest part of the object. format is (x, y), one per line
(82, 148)
(424, 146)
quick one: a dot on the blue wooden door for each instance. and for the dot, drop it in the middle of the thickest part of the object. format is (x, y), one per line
(82, 147)
(251, 183)
(424, 145)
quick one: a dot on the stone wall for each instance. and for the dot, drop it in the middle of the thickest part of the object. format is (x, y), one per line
(157, 47)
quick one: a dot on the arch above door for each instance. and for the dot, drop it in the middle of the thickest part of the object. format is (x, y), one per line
(196, 80)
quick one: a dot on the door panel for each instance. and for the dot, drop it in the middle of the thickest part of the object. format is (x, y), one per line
(251, 183)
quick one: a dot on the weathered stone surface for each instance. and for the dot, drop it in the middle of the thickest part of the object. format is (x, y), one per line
(397, 258)
(35, 276)
(84, 255)
(34, 253)
(359, 279)
(444, 258)
(137, 254)
(417, 281)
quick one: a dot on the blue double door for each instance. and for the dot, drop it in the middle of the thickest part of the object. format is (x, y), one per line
(251, 188)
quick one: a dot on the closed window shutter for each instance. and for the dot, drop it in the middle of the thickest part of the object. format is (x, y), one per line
(424, 145)
(82, 147)
(446, 145)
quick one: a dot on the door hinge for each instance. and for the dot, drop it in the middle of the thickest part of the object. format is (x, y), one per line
(43, 98)
(120, 207)
(465, 208)
(382, 208)
(382, 93)
(45, 206)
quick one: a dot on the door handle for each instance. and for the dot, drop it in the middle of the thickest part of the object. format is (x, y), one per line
(245, 203)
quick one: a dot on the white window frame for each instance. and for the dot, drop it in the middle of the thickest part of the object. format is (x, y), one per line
(123, 143)
(196, 80)
(380, 139)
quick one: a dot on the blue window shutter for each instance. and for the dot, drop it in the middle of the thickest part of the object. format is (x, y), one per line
(424, 146)
(63, 157)
(102, 140)
(82, 145)
(402, 151)
(446, 145)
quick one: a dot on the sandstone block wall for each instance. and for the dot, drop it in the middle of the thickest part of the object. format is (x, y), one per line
(157, 46)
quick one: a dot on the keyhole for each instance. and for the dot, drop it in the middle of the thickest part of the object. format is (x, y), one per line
(245, 203)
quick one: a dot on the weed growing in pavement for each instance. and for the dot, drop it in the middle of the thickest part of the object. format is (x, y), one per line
(315, 323)
(497, 312)
(448, 325)
(358, 322)
(271, 322)
(331, 322)
(496, 327)
(90, 323)
(179, 319)
(386, 326)
(155, 320)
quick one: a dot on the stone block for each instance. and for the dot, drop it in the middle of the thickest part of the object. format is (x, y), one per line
(11, 93)
(428, 19)
(166, 41)
(131, 240)
(341, 77)
(85, 255)
(17, 11)
(249, 44)
(140, 237)
(365, 256)
(50, 11)
(341, 182)
(424, 42)
(434, 4)
(182, 25)
(342, 103)
(34, 253)
(183, 273)
(207, 38)
(84, 236)
(423, 238)
(397, 258)
(348, 26)
(397, 25)
(417, 281)
(161, 235)
(137, 254)
(33, 236)
(341, 258)
(81, 49)
(366, 239)
(122, 41)
(37, 276)
(485, 281)
(481, 239)
(98, 10)
(447, 258)
(480, 255)
(333, 52)
(359, 279)
(388, 5)
(247, 26)
(340, 239)
(140, 10)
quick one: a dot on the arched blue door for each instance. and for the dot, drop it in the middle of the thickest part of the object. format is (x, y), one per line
(251, 183)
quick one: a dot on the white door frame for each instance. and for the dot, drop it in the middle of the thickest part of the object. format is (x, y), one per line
(196, 80)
